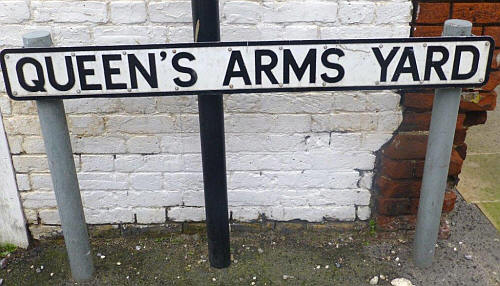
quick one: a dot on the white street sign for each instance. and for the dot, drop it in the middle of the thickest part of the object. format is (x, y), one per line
(243, 67)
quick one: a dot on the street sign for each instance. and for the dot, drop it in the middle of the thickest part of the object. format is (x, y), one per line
(243, 67)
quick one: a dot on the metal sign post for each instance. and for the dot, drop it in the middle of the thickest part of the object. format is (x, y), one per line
(206, 29)
(62, 169)
(437, 159)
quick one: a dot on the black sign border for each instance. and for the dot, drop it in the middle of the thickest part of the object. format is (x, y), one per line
(4, 52)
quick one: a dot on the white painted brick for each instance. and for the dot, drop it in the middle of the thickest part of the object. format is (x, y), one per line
(177, 104)
(143, 144)
(180, 34)
(23, 182)
(373, 141)
(153, 198)
(245, 123)
(2, 88)
(390, 12)
(193, 199)
(389, 121)
(5, 106)
(363, 212)
(102, 181)
(99, 145)
(144, 105)
(107, 199)
(41, 182)
(22, 125)
(366, 180)
(141, 124)
(33, 145)
(129, 35)
(301, 32)
(242, 12)
(69, 11)
(37, 200)
(186, 214)
(85, 125)
(293, 179)
(71, 36)
(15, 144)
(300, 11)
(283, 103)
(24, 107)
(150, 215)
(245, 213)
(49, 216)
(111, 216)
(181, 143)
(183, 181)
(361, 101)
(31, 216)
(170, 12)
(192, 163)
(146, 181)
(14, 11)
(128, 12)
(346, 197)
(149, 163)
(99, 163)
(365, 31)
(92, 105)
(31, 163)
(313, 214)
(356, 12)
(344, 122)
(251, 33)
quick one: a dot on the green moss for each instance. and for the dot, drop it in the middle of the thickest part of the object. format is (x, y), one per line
(7, 248)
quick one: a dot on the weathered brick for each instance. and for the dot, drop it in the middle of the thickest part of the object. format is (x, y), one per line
(493, 80)
(435, 31)
(462, 150)
(432, 13)
(475, 118)
(487, 101)
(482, 13)
(407, 146)
(494, 32)
(420, 121)
(405, 188)
(495, 62)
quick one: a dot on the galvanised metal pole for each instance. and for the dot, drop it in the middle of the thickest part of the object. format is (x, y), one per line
(437, 159)
(207, 29)
(62, 168)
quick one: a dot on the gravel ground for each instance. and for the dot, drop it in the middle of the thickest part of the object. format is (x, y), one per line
(324, 257)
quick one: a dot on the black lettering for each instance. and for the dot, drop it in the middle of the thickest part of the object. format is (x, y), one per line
(456, 62)
(267, 69)
(384, 63)
(39, 83)
(109, 71)
(182, 69)
(69, 71)
(330, 65)
(134, 64)
(309, 61)
(83, 72)
(410, 56)
(230, 72)
(436, 65)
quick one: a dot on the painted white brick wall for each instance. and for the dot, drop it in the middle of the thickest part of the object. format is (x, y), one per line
(307, 156)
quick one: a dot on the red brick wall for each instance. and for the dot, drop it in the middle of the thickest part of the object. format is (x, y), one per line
(401, 161)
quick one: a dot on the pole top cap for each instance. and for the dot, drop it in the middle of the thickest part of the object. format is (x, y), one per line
(37, 39)
(457, 27)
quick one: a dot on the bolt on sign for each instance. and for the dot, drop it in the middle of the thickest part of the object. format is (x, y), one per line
(242, 67)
